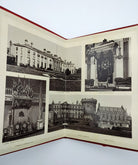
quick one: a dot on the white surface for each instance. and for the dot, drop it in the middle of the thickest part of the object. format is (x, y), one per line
(69, 19)
(70, 152)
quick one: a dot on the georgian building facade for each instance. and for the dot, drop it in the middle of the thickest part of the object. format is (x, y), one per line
(65, 112)
(85, 110)
(27, 55)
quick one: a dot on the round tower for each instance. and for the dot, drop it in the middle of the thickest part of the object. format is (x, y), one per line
(89, 106)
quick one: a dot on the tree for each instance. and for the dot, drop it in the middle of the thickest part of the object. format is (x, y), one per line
(67, 72)
(79, 70)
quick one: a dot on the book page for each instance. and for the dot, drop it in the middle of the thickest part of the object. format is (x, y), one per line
(28, 74)
(105, 110)
(83, 88)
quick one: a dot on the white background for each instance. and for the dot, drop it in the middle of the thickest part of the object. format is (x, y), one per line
(70, 19)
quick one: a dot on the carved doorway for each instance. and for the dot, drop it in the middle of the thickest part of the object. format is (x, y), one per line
(105, 67)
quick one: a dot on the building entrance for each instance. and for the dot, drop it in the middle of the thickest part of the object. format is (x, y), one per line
(105, 62)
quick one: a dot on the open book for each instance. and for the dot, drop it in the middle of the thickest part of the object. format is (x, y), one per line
(84, 88)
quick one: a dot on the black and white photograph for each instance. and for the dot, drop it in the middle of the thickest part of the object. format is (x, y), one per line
(108, 65)
(109, 115)
(24, 113)
(30, 54)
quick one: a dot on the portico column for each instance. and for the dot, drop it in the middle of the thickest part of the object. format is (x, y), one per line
(125, 59)
(36, 57)
(114, 71)
(88, 68)
(96, 76)
(40, 123)
(11, 122)
(40, 61)
(18, 59)
(40, 101)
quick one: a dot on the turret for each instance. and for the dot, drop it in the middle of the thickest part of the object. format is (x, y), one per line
(89, 106)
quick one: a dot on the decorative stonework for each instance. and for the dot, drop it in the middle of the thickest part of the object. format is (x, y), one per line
(106, 61)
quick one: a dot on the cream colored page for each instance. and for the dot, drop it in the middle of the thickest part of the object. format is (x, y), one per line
(77, 96)
(105, 98)
(26, 121)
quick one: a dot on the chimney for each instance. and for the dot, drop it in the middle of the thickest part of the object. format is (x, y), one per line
(26, 41)
(44, 50)
(10, 43)
(48, 52)
(31, 44)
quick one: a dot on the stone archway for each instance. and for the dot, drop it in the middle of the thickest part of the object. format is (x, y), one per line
(100, 60)
(105, 67)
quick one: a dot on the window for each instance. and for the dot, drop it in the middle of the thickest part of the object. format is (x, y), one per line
(21, 59)
(21, 114)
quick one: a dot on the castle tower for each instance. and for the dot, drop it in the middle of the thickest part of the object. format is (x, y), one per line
(89, 106)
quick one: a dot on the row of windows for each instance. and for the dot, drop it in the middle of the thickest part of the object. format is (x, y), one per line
(113, 117)
(69, 115)
(38, 55)
(42, 57)
(67, 107)
(67, 110)
(112, 112)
